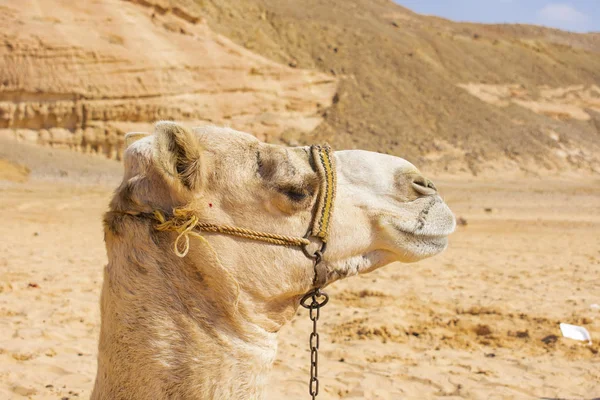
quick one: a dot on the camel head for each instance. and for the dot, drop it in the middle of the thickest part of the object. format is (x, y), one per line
(385, 210)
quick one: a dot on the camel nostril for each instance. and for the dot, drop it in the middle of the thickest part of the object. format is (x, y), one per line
(423, 185)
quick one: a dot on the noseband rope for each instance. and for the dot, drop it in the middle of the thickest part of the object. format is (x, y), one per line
(185, 223)
(325, 167)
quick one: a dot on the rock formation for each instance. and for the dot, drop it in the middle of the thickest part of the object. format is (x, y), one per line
(79, 76)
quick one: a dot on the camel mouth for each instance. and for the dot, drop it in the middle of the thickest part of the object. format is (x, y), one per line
(440, 227)
(433, 238)
(417, 244)
(430, 222)
(436, 241)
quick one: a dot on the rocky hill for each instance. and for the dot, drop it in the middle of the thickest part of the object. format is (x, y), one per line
(81, 74)
(358, 73)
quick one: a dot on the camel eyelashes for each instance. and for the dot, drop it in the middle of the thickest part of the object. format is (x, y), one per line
(296, 195)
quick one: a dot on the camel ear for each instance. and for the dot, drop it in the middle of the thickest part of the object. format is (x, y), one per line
(177, 153)
(133, 137)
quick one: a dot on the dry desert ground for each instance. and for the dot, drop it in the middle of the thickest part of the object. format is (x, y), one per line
(480, 321)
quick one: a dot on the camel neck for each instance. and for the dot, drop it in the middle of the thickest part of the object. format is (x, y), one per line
(170, 331)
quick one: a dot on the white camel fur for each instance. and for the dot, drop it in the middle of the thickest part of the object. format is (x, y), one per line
(198, 327)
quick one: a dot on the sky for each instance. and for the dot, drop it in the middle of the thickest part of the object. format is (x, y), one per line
(571, 15)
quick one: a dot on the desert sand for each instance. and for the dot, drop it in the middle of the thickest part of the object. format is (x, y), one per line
(366, 74)
(480, 321)
(504, 118)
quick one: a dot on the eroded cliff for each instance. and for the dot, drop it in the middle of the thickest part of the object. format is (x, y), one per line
(81, 74)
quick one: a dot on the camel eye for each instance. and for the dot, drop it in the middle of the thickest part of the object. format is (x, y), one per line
(296, 195)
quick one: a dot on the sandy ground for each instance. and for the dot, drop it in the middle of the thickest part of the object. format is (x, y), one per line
(478, 322)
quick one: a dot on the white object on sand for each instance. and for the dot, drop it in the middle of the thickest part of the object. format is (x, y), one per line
(595, 306)
(575, 332)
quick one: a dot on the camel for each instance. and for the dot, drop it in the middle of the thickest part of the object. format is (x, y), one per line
(204, 325)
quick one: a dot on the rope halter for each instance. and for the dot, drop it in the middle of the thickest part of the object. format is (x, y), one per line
(186, 223)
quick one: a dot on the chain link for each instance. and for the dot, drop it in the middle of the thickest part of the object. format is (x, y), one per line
(318, 300)
(314, 349)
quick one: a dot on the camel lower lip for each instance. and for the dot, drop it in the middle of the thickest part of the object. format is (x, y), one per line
(438, 240)
(424, 237)
(435, 241)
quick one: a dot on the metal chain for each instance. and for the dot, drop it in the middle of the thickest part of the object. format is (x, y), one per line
(318, 300)
(313, 386)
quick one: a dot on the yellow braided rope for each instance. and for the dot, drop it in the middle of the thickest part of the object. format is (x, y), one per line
(255, 235)
(325, 166)
(184, 223)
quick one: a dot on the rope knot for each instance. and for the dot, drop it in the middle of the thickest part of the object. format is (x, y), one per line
(183, 222)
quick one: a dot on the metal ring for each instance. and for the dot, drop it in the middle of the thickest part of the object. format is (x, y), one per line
(313, 256)
(316, 293)
(318, 257)
(323, 247)
(308, 253)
